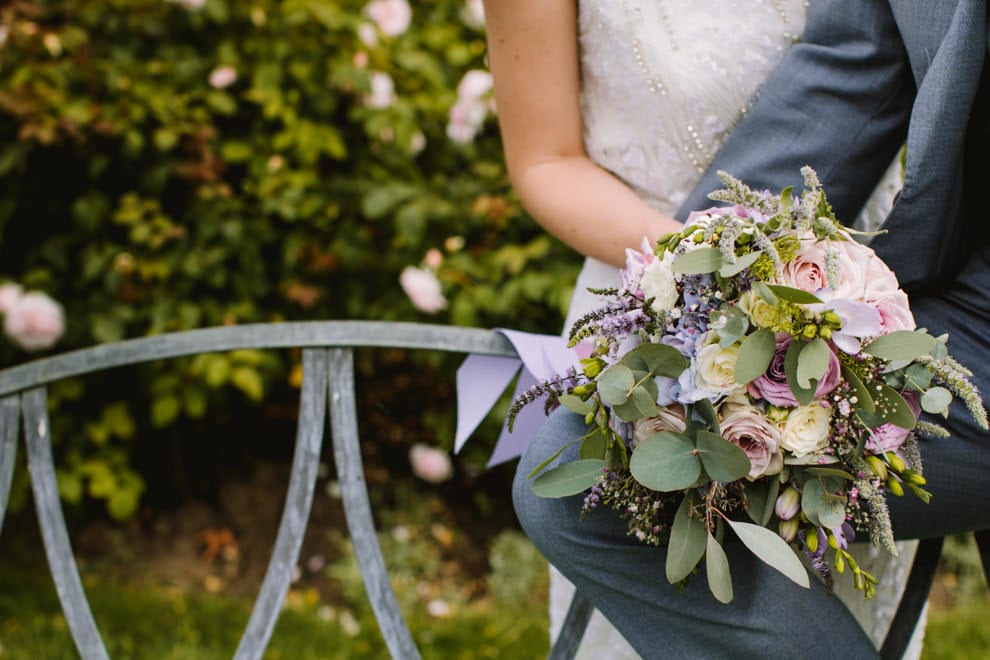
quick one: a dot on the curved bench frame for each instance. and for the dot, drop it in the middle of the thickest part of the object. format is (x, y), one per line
(328, 376)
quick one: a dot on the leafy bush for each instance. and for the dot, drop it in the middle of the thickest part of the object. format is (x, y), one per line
(167, 165)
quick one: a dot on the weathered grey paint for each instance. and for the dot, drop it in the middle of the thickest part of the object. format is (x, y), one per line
(298, 502)
(61, 561)
(10, 414)
(354, 493)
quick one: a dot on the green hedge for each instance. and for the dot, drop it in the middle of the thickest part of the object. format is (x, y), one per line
(166, 165)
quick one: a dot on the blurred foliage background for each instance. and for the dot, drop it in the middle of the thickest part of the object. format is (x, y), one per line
(173, 165)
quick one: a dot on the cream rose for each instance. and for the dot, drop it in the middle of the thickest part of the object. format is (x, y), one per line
(658, 283)
(671, 418)
(716, 368)
(806, 429)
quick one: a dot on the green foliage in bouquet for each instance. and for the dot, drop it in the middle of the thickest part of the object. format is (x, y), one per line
(167, 165)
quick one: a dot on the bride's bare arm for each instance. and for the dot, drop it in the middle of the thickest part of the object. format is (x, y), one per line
(533, 55)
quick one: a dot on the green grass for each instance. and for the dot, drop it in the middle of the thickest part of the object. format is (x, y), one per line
(507, 620)
(959, 633)
(166, 625)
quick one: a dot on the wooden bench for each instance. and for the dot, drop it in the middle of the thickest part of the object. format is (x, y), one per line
(328, 378)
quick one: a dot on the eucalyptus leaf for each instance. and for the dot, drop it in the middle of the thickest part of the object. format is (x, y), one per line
(645, 403)
(687, 542)
(627, 411)
(732, 324)
(811, 500)
(917, 377)
(863, 399)
(936, 401)
(594, 445)
(665, 461)
(829, 472)
(699, 261)
(772, 550)
(741, 264)
(755, 355)
(568, 479)
(804, 395)
(615, 384)
(705, 411)
(810, 459)
(832, 511)
(901, 345)
(576, 404)
(717, 568)
(656, 359)
(722, 460)
(763, 291)
(771, 500)
(813, 362)
(894, 408)
(757, 494)
(550, 460)
(794, 295)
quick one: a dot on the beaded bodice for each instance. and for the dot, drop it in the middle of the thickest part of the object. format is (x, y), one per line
(665, 81)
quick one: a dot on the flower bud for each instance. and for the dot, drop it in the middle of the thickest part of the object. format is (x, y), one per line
(832, 542)
(914, 477)
(840, 563)
(584, 390)
(788, 529)
(592, 366)
(877, 467)
(589, 418)
(921, 493)
(832, 319)
(788, 504)
(809, 331)
(811, 539)
(825, 332)
(894, 486)
(896, 462)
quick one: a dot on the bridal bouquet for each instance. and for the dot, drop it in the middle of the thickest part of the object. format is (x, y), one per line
(759, 363)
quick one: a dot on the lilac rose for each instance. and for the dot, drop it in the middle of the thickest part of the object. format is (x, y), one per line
(745, 426)
(772, 386)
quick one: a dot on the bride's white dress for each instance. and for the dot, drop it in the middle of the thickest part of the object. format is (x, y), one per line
(663, 84)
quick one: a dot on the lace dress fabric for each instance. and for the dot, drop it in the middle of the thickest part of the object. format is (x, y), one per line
(663, 84)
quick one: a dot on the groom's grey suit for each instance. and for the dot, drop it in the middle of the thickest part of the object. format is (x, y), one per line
(866, 75)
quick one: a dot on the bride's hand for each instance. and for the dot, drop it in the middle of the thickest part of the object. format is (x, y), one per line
(533, 55)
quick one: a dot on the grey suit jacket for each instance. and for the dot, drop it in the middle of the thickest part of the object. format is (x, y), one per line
(867, 74)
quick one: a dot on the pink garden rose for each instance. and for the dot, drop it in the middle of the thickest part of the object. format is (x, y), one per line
(35, 322)
(423, 289)
(391, 16)
(430, 464)
(382, 91)
(223, 77)
(10, 293)
(745, 426)
(772, 386)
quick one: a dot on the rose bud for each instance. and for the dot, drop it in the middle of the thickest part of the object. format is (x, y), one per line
(788, 529)
(788, 504)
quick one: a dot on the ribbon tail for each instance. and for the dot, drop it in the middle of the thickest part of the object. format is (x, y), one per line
(481, 379)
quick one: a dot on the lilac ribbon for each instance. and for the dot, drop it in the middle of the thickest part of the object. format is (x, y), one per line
(481, 379)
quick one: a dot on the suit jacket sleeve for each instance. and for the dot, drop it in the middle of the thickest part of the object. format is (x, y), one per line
(839, 101)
